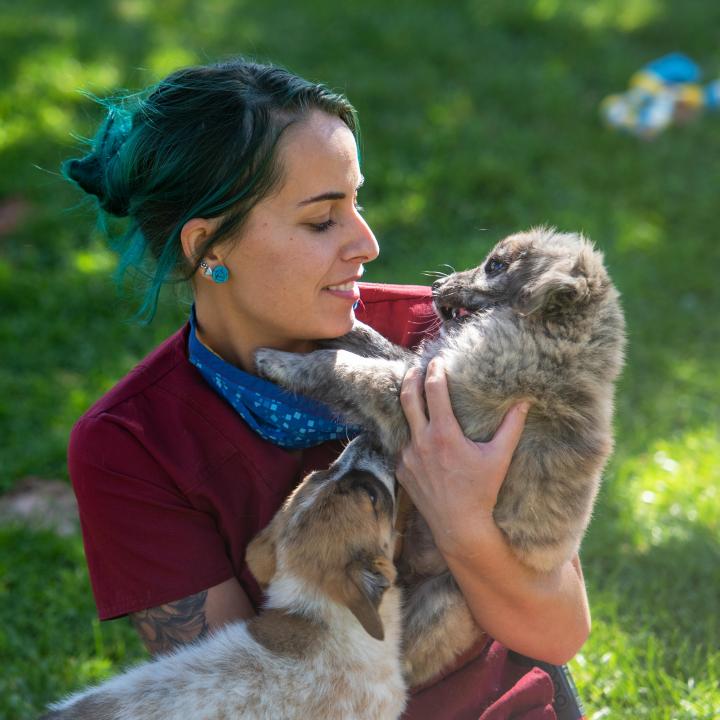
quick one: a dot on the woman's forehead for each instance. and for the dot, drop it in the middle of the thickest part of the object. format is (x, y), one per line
(318, 156)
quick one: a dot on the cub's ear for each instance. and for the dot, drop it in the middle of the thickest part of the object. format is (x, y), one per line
(365, 583)
(261, 556)
(553, 292)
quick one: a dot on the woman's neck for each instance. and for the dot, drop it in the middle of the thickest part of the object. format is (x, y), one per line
(235, 341)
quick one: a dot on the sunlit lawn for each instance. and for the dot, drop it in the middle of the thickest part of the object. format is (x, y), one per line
(478, 118)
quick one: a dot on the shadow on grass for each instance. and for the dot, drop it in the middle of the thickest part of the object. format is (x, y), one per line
(49, 642)
(478, 119)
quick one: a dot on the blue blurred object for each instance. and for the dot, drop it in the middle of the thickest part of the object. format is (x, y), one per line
(675, 68)
(666, 91)
(712, 95)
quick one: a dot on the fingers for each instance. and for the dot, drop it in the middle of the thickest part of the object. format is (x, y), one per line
(438, 396)
(507, 436)
(439, 410)
(412, 401)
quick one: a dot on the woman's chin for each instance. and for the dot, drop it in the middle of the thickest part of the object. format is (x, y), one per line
(342, 326)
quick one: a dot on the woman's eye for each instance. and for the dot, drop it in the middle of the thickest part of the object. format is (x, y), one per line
(327, 224)
(493, 265)
(323, 226)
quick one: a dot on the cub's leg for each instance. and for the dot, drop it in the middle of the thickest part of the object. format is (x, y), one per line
(438, 627)
(366, 342)
(420, 557)
(362, 390)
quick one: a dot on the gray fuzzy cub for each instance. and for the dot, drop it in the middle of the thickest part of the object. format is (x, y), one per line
(539, 320)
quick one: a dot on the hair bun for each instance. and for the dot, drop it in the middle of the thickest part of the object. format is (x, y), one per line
(87, 173)
(93, 173)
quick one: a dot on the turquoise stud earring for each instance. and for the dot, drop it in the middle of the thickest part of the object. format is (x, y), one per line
(219, 273)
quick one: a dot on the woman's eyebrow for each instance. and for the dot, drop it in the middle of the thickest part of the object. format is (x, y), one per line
(323, 196)
(332, 195)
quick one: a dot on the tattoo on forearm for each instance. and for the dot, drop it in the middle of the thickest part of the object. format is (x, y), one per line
(168, 626)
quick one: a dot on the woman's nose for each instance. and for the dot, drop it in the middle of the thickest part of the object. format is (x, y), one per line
(363, 243)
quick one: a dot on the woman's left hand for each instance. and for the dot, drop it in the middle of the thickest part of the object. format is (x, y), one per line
(453, 481)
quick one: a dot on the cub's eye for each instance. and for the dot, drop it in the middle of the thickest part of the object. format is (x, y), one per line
(371, 493)
(369, 490)
(494, 265)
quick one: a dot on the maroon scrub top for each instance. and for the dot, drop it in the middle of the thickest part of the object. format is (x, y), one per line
(172, 485)
(171, 482)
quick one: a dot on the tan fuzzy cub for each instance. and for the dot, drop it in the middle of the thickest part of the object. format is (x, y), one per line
(326, 645)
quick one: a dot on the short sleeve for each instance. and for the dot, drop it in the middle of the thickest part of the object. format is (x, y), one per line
(145, 542)
(403, 314)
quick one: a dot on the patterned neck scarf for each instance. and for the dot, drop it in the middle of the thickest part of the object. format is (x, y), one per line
(290, 421)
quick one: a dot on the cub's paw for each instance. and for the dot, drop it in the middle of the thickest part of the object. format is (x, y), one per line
(276, 365)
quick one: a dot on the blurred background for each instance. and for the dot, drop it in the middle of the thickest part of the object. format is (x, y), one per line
(479, 117)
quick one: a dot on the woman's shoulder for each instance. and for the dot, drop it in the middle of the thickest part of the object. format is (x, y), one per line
(403, 314)
(388, 292)
(160, 401)
(164, 414)
(168, 357)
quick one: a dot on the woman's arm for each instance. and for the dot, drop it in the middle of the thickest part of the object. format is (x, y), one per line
(454, 483)
(166, 627)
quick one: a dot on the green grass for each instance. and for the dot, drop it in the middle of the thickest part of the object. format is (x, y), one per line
(479, 117)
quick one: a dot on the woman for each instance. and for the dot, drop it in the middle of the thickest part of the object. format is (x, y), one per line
(243, 178)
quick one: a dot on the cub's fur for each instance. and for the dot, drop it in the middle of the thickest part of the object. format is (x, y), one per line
(327, 644)
(539, 320)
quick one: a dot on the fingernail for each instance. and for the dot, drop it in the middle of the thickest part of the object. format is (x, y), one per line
(412, 374)
(523, 407)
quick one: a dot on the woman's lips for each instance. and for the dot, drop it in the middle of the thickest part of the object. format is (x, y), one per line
(347, 290)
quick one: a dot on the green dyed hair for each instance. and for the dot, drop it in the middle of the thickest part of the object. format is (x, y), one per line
(201, 143)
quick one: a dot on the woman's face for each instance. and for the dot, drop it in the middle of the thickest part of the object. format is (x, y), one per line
(294, 269)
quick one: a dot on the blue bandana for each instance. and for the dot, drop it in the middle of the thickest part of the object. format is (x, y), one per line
(290, 421)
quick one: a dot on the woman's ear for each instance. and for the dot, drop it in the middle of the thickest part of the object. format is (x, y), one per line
(193, 236)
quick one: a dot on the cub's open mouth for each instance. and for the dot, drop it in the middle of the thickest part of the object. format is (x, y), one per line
(448, 308)
(447, 312)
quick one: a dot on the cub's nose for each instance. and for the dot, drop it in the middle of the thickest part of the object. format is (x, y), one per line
(438, 284)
